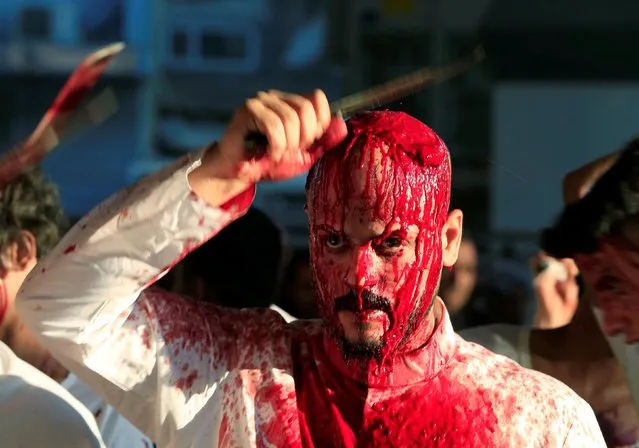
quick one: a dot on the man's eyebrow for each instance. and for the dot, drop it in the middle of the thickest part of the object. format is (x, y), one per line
(327, 228)
(400, 232)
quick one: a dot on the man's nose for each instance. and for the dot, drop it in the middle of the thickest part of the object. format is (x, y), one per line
(362, 268)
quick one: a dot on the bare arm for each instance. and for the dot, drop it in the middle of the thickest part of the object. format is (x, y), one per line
(578, 182)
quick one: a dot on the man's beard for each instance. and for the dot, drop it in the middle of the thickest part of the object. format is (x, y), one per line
(362, 348)
(367, 349)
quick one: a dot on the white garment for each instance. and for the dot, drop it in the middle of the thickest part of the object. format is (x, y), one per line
(196, 375)
(36, 411)
(513, 341)
(116, 431)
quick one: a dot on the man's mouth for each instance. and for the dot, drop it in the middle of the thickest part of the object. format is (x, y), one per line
(369, 315)
(365, 304)
(364, 316)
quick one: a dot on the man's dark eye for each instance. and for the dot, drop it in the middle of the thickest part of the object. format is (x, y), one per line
(392, 242)
(334, 241)
(608, 282)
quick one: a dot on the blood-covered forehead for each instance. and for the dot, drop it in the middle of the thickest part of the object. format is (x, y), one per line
(391, 167)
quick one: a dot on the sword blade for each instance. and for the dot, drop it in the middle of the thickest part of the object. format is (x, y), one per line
(256, 142)
(405, 85)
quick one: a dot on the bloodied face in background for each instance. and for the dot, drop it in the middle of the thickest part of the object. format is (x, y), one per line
(380, 232)
(601, 232)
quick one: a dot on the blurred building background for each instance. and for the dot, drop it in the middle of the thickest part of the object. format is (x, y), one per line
(558, 89)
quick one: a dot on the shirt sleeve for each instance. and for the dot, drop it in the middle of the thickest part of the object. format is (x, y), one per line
(584, 431)
(155, 356)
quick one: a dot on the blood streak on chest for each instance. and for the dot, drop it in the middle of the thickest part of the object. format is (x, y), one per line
(440, 413)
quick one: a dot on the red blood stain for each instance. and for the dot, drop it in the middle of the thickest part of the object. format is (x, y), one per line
(69, 249)
(448, 394)
(185, 383)
(124, 213)
(395, 170)
(224, 429)
(4, 301)
(293, 383)
(146, 338)
(612, 273)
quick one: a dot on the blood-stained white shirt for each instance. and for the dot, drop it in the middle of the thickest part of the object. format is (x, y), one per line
(513, 341)
(192, 374)
(35, 411)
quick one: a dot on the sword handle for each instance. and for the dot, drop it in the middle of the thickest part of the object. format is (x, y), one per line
(255, 144)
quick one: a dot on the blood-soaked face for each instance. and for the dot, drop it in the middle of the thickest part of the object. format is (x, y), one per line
(376, 206)
(613, 274)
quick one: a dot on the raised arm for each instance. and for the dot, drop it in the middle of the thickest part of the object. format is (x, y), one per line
(156, 357)
(89, 304)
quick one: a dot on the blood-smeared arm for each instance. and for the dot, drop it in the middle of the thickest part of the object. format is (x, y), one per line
(156, 357)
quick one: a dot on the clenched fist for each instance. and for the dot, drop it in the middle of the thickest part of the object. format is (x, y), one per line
(299, 130)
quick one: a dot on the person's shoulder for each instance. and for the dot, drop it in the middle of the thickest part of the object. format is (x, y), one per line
(521, 397)
(525, 389)
(29, 399)
(502, 339)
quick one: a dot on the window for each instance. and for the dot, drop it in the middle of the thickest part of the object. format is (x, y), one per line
(223, 46)
(105, 24)
(180, 44)
(35, 23)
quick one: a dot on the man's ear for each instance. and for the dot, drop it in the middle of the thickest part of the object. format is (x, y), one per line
(20, 252)
(451, 237)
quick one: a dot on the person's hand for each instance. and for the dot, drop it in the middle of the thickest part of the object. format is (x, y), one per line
(299, 130)
(556, 290)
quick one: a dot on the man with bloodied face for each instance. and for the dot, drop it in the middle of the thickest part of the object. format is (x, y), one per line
(382, 368)
(378, 213)
(601, 232)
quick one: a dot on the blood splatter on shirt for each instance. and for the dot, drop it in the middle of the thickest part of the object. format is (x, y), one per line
(193, 374)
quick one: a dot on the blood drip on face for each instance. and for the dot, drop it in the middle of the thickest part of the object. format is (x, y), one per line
(4, 302)
(392, 169)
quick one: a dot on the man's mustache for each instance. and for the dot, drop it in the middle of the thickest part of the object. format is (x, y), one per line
(369, 302)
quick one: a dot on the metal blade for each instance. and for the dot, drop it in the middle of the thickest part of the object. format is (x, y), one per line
(256, 143)
(404, 85)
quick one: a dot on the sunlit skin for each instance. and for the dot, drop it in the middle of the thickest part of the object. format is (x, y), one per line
(457, 291)
(18, 260)
(380, 234)
(611, 273)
